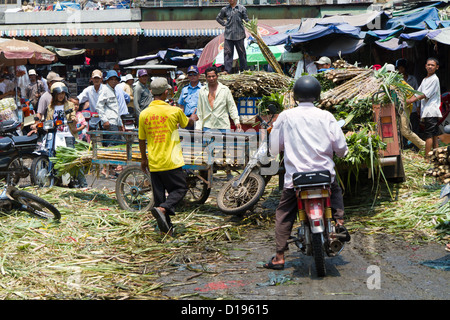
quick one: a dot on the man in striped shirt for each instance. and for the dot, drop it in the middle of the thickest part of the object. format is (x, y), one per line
(231, 17)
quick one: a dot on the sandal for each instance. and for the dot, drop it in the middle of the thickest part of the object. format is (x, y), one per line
(271, 265)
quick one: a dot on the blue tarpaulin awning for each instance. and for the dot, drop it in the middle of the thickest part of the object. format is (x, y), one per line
(319, 31)
(415, 20)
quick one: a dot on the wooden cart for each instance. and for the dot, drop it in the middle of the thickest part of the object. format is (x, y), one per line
(202, 154)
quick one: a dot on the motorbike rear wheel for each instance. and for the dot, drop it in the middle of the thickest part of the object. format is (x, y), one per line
(35, 205)
(134, 190)
(318, 253)
(40, 174)
(20, 168)
(238, 200)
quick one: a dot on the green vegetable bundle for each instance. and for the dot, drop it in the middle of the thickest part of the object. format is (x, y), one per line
(364, 148)
(72, 160)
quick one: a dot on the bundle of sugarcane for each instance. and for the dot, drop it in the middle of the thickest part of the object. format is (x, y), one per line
(252, 27)
(339, 75)
(440, 160)
(250, 83)
(360, 87)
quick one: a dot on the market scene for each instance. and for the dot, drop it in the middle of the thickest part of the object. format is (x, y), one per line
(236, 150)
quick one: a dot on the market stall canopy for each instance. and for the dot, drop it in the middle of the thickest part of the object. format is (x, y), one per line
(416, 19)
(17, 52)
(359, 20)
(320, 31)
(440, 35)
(138, 59)
(334, 45)
(63, 52)
(153, 67)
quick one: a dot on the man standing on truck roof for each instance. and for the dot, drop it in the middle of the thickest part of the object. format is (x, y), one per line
(430, 102)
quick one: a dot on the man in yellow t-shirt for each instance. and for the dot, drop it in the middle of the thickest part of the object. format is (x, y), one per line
(158, 134)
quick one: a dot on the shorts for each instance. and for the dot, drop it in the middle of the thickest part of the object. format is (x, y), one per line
(431, 127)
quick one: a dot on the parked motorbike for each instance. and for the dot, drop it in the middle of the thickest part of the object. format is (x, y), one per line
(16, 152)
(42, 168)
(242, 192)
(128, 121)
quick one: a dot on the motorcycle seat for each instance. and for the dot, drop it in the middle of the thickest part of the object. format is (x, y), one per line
(25, 140)
(313, 178)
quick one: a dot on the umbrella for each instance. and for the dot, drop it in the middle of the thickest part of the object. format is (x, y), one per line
(215, 46)
(254, 54)
(17, 52)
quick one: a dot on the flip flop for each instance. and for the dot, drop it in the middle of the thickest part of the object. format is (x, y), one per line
(271, 265)
(160, 219)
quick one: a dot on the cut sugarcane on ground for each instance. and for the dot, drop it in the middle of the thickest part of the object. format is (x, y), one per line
(440, 164)
(99, 251)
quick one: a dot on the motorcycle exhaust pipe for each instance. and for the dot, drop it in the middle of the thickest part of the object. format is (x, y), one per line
(336, 246)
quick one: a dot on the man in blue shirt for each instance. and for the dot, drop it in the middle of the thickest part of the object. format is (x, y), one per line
(189, 94)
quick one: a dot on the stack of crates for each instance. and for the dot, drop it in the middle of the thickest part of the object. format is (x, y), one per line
(247, 108)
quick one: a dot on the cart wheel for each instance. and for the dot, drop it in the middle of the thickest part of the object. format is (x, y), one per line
(198, 190)
(134, 190)
(244, 197)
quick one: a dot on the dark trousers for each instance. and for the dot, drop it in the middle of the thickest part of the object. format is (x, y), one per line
(172, 181)
(228, 52)
(287, 211)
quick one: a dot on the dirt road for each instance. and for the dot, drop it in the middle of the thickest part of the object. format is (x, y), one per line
(371, 266)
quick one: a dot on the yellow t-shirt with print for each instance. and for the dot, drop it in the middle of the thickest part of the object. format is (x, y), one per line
(158, 124)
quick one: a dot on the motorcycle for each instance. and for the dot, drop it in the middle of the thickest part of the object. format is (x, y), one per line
(243, 191)
(317, 233)
(42, 168)
(16, 152)
(13, 199)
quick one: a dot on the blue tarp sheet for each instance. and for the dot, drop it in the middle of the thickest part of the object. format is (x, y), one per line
(323, 30)
(414, 20)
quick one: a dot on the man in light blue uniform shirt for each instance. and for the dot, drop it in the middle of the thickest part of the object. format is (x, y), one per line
(189, 94)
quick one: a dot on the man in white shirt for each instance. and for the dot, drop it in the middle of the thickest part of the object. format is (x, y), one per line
(430, 102)
(90, 95)
(309, 137)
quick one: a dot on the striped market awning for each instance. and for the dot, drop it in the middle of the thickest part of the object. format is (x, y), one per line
(94, 29)
(181, 32)
(181, 28)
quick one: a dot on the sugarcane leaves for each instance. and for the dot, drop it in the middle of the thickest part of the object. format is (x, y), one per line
(275, 98)
(355, 111)
(392, 80)
(364, 147)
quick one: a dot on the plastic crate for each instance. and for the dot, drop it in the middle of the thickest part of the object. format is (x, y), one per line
(247, 106)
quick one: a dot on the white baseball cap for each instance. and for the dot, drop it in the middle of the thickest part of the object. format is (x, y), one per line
(323, 60)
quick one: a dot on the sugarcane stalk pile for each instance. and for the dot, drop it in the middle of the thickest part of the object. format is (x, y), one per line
(361, 87)
(343, 71)
(250, 83)
(440, 160)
